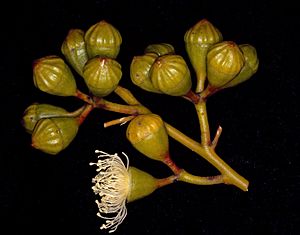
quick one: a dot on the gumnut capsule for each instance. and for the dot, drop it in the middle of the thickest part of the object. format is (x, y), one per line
(160, 49)
(140, 71)
(102, 75)
(198, 39)
(250, 67)
(52, 135)
(148, 135)
(224, 61)
(74, 49)
(116, 184)
(35, 112)
(52, 75)
(171, 75)
(103, 39)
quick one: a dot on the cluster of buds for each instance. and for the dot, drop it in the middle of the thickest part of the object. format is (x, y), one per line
(92, 54)
(223, 63)
(160, 70)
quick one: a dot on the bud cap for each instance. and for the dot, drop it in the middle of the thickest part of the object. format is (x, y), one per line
(171, 75)
(160, 49)
(52, 75)
(224, 62)
(140, 71)
(74, 49)
(103, 39)
(102, 75)
(52, 135)
(35, 112)
(148, 135)
(250, 67)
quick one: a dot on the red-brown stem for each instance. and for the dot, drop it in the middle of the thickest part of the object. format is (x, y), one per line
(83, 97)
(166, 181)
(192, 96)
(120, 121)
(169, 162)
(200, 180)
(88, 108)
(209, 90)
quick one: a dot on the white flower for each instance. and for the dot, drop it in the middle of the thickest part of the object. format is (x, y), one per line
(112, 184)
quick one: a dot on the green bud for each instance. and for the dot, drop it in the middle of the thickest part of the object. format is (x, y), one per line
(250, 67)
(35, 112)
(52, 135)
(198, 39)
(141, 184)
(171, 75)
(74, 49)
(102, 75)
(160, 49)
(52, 75)
(224, 61)
(140, 71)
(103, 39)
(148, 135)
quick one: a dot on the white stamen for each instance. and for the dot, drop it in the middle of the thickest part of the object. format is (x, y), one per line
(112, 185)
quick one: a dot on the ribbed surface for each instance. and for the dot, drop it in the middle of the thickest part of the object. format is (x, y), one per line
(35, 112)
(53, 135)
(140, 71)
(74, 49)
(224, 62)
(160, 49)
(203, 33)
(52, 75)
(102, 75)
(170, 74)
(103, 39)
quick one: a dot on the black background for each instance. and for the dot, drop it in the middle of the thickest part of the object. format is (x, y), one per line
(52, 194)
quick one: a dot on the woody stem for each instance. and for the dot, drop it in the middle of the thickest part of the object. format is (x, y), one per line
(205, 150)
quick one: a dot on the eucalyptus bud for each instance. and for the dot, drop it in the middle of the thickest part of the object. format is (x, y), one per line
(102, 75)
(35, 112)
(140, 71)
(52, 135)
(103, 39)
(148, 135)
(250, 67)
(160, 49)
(74, 49)
(224, 61)
(198, 39)
(52, 75)
(171, 75)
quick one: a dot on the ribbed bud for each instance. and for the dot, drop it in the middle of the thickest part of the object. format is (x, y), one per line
(148, 135)
(103, 39)
(102, 75)
(250, 67)
(203, 33)
(35, 112)
(171, 75)
(52, 75)
(224, 61)
(160, 49)
(52, 135)
(198, 39)
(140, 71)
(74, 49)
